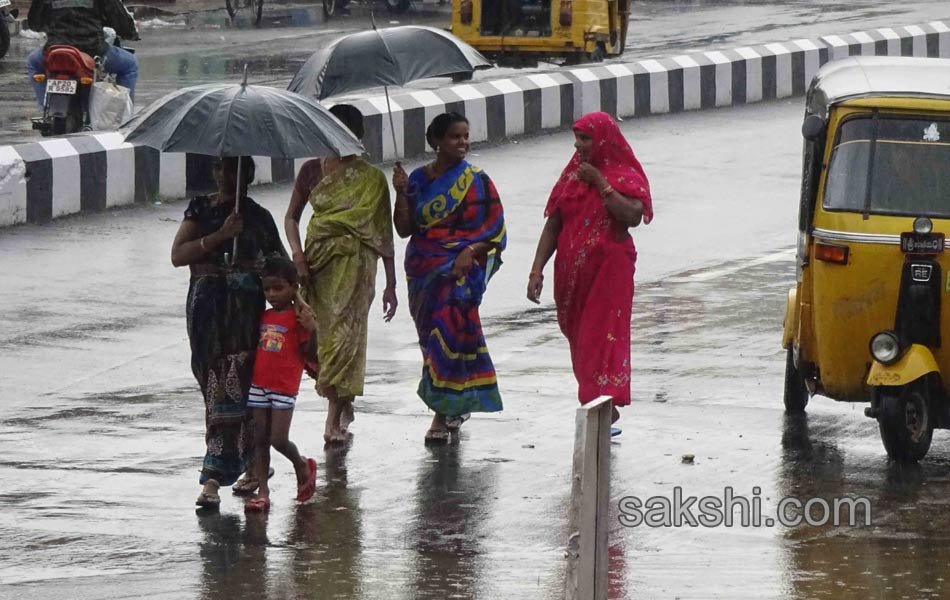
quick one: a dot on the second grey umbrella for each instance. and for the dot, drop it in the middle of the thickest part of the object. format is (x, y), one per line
(385, 57)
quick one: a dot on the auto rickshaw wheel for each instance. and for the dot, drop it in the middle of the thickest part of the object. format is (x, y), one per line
(796, 394)
(598, 54)
(906, 420)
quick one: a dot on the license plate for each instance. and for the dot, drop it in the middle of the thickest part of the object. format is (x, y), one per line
(4, 3)
(60, 86)
(922, 243)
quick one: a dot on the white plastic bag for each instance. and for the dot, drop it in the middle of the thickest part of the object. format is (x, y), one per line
(110, 106)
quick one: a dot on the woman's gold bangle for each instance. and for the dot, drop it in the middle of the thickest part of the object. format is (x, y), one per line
(606, 191)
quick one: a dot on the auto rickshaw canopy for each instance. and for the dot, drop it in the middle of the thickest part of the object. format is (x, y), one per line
(877, 76)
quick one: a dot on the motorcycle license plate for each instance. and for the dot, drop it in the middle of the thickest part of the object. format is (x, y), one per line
(922, 243)
(60, 86)
(4, 3)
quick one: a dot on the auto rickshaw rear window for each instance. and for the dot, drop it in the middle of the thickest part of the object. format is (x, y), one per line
(909, 174)
(516, 18)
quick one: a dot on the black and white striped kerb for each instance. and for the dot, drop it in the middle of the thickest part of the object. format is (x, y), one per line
(89, 173)
(48, 179)
(513, 107)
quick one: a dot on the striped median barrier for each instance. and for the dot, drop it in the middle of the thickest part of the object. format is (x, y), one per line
(86, 173)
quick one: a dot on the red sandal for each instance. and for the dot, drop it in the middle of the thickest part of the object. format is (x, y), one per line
(305, 491)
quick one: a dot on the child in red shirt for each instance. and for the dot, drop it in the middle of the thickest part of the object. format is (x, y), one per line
(278, 367)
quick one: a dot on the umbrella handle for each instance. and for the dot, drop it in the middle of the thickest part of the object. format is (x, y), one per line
(392, 126)
(237, 205)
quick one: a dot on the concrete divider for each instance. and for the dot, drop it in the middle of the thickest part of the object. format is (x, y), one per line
(44, 180)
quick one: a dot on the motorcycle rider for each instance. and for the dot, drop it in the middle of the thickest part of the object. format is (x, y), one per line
(79, 23)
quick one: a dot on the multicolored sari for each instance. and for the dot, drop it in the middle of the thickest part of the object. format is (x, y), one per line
(595, 262)
(350, 229)
(457, 209)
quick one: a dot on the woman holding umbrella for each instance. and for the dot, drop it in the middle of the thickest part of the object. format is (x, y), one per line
(454, 218)
(224, 236)
(225, 302)
(351, 228)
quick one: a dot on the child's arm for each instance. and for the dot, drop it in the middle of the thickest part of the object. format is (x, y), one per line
(308, 339)
(306, 320)
(305, 314)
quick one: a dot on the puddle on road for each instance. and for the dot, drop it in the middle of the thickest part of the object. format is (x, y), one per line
(905, 553)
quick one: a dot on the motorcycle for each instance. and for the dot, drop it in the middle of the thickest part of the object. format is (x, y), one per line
(69, 76)
(7, 16)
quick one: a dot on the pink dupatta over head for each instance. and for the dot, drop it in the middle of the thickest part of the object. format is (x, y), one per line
(613, 157)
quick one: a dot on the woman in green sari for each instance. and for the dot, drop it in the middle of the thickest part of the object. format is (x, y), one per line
(351, 228)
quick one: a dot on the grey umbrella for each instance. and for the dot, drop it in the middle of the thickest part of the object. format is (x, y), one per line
(239, 119)
(385, 57)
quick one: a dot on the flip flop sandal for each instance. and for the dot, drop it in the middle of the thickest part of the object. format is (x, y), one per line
(248, 485)
(208, 500)
(615, 431)
(305, 492)
(454, 423)
(438, 437)
(257, 505)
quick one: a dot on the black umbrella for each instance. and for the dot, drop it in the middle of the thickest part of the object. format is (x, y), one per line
(239, 119)
(385, 57)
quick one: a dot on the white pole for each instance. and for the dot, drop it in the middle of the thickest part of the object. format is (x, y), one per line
(590, 502)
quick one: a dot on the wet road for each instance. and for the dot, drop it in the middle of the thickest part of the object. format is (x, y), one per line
(101, 438)
(177, 51)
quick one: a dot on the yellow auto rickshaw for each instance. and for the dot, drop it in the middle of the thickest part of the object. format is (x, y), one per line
(521, 32)
(865, 321)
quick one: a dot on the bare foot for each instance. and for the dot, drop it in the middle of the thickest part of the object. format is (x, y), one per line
(347, 415)
(331, 430)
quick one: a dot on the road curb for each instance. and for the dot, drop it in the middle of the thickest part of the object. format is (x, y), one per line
(86, 173)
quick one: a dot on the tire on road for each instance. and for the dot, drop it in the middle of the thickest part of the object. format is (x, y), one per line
(796, 394)
(598, 54)
(906, 419)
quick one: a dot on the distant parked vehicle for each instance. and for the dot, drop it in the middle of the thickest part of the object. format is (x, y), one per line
(522, 32)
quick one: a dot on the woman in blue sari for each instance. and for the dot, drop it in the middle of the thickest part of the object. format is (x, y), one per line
(451, 212)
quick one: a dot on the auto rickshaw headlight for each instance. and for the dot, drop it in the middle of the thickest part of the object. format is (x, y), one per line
(923, 225)
(885, 347)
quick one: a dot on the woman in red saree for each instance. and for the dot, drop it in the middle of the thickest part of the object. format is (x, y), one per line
(602, 192)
